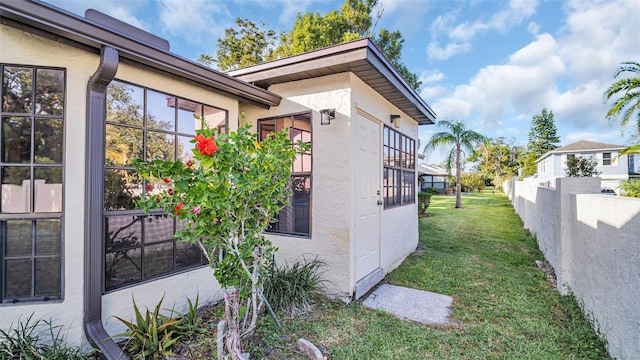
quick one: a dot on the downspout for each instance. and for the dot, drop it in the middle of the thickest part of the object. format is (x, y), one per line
(94, 205)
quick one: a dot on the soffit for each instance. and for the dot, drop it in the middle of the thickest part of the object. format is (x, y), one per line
(360, 57)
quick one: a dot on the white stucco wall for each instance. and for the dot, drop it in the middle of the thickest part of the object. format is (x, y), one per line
(594, 247)
(79, 66)
(399, 230)
(330, 178)
(334, 179)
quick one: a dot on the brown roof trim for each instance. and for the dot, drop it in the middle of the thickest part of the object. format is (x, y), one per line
(44, 17)
(361, 57)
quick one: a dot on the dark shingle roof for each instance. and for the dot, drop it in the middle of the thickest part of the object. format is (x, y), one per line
(581, 146)
(586, 145)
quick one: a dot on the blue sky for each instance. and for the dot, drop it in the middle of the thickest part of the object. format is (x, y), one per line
(492, 64)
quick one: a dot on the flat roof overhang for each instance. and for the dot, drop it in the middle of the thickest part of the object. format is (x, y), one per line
(360, 57)
(46, 20)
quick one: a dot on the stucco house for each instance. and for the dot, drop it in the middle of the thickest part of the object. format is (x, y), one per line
(434, 176)
(612, 168)
(83, 96)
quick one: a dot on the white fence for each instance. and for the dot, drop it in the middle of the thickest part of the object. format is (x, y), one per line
(593, 243)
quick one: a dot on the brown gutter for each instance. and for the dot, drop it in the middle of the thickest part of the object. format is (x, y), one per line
(39, 15)
(93, 206)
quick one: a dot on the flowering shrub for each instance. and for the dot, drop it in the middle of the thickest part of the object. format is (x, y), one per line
(228, 194)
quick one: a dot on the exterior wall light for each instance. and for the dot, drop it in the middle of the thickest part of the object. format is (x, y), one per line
(395, 120)
(326, 116)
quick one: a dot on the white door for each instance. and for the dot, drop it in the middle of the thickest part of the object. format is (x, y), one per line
(368, 206)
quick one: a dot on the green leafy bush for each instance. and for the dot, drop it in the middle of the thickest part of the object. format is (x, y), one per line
(424, 200)
(38, 340)
(291, 289)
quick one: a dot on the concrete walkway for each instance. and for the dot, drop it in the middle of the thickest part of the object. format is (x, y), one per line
(411, 304)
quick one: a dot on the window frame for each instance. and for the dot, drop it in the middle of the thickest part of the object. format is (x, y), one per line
(274, 227)
(138, 216)
(607, 160)
(394, 161)
(32, 215)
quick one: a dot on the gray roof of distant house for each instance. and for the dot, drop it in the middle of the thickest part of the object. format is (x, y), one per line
(582, 146)
(360, 57)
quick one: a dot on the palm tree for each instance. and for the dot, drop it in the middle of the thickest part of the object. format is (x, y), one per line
(629, 88)
(454, 133)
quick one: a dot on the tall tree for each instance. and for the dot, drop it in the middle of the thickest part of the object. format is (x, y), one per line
(246, 46)
(498, 159)
(455, 134)
(629, 91)
(542, 138)
(250, 45)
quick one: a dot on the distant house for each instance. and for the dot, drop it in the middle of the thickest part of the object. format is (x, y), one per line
(612, 168)
(433, 176)
(83, 96)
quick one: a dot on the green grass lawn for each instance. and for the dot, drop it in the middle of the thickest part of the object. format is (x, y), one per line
(504, 307)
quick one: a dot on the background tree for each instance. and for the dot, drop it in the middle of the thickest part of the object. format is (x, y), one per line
(498, 159)
(578, 166)
(542, 139)
(454, 133)
(246, 46)
(629, 91)
(472, 181)
(250, 45)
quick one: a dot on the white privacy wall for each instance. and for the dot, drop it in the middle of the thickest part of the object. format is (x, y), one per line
(593, 243)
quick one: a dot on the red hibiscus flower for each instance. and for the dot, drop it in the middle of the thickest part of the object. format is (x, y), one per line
(167, 180)
(195, 210)
(206, 146)
(179, 207)
(149, 187)
(170, 191)
(189, 163)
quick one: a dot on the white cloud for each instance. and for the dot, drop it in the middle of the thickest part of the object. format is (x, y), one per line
(566, 72)
(533, 28)
(195, 21)
(432, 76)
(460, 37)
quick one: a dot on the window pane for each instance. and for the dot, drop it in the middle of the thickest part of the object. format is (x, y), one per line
(184, 148)
(161, 112)
(122, 232)
(48, 189)
(158, 259)
(48, 277)
(16, 192)
(215, 118)
(121, 188)
(49, 92)
(122, 145)
(187, 122)
(18, 241)
(158, 228)
(125, 104)
(187, 255)
(18, 278)
(302, 163)
(16, 140)
(122, 268)
(48, 237)
(160, 146)
(17, 89)
(48, 141)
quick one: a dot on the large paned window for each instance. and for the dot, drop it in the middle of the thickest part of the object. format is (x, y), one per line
(147, 124)
(398, 186)
(295, 218)
(31, 168)
(606, 158)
